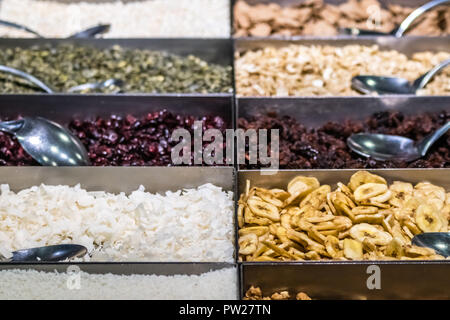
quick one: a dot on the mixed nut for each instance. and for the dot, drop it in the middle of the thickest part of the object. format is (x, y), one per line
(327, 70)
(318, 18)
(367, 219)
(256, 294)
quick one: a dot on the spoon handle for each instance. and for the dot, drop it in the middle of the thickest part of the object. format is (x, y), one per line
(20, 27)
(91, 32)
(428, 141)
(417, 13)
(27, 77)
(11, 126)
(421, 82)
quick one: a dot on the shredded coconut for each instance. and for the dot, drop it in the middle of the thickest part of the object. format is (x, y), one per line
(30, 285)
(187, 225)
(149, 18)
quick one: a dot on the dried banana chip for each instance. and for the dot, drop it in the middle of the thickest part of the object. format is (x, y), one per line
(248, 244)
(353, 249)
(263, 209)
(363, 177)
(363, 231)
(369, 190)
(428, 219)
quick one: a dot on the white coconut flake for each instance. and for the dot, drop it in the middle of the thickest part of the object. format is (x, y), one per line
(145, 18)
(32, 285)
(187, 225)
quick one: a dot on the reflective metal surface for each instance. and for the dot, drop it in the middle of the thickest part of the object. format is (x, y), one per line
(390, 85)
(439, 241)
(49, 253)
(385, 147)
(47, 142)
(88, 33)
(26, 76)
(96, 86)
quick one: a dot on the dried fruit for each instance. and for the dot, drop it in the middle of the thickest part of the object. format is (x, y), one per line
(364, 231)
(369, 190)
(343, 224)
(428, 219)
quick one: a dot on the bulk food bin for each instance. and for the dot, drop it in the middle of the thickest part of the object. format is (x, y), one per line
(347, 279)
(211, 50)
(63, 109)
(407, 46)
(316, 112)
(116, 180)
(287, 3)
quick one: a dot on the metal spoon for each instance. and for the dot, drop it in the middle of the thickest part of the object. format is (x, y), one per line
(392, 85)
(385, 147)
(50, 253)
(95, 85)
(88, 33)
(439, 241)
(47, 142)
(400, 30)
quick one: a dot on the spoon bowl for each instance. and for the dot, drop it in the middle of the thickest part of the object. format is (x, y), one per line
(439, 241)
(50, 253)
(384, 147)
(389, 85)
(382, 85)
(47, 142)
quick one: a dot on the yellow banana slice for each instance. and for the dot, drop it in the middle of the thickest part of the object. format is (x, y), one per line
(362, 231)
(382, 197)
(362, 177)
(332, 246)
(248, 244)
(401, 193)
(395, 248)
(263, 209)
(259, 231)
(353, 249)
(369, 190)
(414, 251)
(364, 210)
(428, 219)
(317, 198)
(280, 194)
(299, 187)
(267, 196)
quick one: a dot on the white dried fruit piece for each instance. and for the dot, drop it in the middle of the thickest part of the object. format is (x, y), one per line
(364, 210)
(248, 244)
(259, 231)
(280, 194)
(382, 197)
(317, 198)
(299, 187)
(395, 248)
(264, 209)
(332, 246)
(401, 193)
(269, 197)
(362, 231)
(353, 249)
(362, 177)
(369, 190)
(428, 219)
(415, 251)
